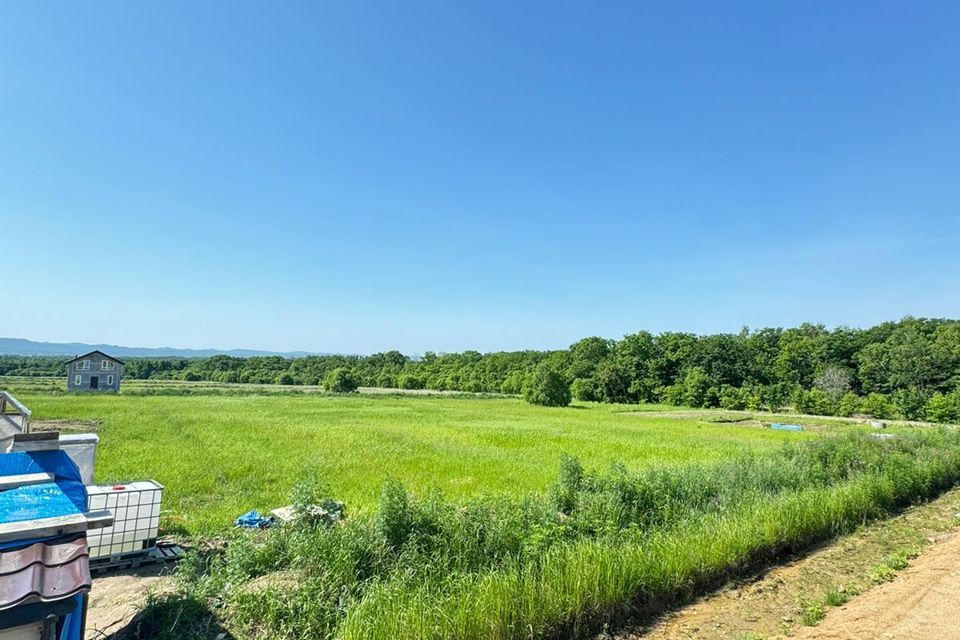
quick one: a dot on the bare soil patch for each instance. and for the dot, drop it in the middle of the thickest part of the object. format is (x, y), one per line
(919, 604)
(118, 597)
(66, 426)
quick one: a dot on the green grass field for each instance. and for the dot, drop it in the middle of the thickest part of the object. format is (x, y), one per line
(462, 520)
(219, 456)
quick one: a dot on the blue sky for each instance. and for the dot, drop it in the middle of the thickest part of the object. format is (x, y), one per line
(355, 177)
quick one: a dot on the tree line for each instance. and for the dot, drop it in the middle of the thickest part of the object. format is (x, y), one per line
(909, 368)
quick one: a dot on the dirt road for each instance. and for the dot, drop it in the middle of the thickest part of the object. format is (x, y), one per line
(777, 602)
(919, 604)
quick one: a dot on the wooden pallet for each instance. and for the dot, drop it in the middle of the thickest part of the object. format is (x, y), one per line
(159, 554)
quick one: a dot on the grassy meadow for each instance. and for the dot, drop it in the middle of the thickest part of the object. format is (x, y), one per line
(221, 455)
(476, 517)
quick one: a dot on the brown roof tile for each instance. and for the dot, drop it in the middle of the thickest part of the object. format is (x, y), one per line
(44, 572)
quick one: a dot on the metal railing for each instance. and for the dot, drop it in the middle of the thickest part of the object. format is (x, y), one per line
(14, 413)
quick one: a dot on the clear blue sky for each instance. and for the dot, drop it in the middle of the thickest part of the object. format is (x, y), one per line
(493, 175)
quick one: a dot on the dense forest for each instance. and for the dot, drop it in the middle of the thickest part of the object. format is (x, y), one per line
(909, 369)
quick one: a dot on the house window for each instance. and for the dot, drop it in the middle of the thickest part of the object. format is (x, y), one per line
(110, 379)
(77, 379)
(83, 365)
(106, 365)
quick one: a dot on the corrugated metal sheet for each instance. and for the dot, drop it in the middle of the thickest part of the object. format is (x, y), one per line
(44, 572)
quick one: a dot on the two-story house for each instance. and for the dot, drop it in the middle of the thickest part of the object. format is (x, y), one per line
(94, 371)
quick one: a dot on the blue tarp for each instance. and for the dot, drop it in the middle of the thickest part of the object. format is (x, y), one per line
(253, 520)
(786, 427)
(33, 502)
(65, 496)
(73, 621)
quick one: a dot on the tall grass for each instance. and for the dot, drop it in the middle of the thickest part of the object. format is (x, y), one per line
(598, 546)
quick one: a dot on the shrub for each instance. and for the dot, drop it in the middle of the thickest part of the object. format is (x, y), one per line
(513, 384)
(944, 407)
(814, 401)
(849, 404)
(341, 380)
(733, 398)
(410, 381)
(775, 396)
(285, 378)
(386, 380)
(547, 388)
(672, 395)
(910, 403)
(584, 389)
(878, 406)
(568, 484)
(696, 387)
(191, 376)
(753, 397)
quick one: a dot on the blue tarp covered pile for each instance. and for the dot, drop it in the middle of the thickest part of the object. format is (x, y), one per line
(64, 496)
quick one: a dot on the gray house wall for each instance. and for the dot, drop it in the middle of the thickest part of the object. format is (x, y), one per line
(96, 370)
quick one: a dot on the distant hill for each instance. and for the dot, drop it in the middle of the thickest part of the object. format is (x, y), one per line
(21, 347)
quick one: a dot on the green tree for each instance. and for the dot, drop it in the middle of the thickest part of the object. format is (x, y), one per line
(775, 396)
(878, 406)
(584, 389)
(943, 407)
(733, 398)
(547, 388)
(613, 382)
(586, 354)
(513, 384)
(910, 403)
(696, 386)
(916, 354)
(341, 380)
(814, 401)
(801, 354)
(849, 404)
(410, 381)
(634, 359)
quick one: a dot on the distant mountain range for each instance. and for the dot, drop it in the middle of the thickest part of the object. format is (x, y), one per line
(21, 347)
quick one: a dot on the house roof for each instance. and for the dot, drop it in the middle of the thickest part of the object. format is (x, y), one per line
(87, 355)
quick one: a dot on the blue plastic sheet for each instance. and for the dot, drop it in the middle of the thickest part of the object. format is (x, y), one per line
(56, 462)
(253, 520)
(72, 629)
(786, 427)
(66, 495)
(33, 502)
